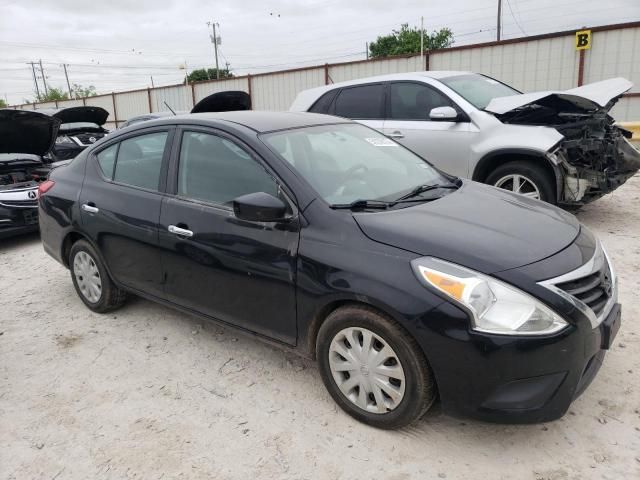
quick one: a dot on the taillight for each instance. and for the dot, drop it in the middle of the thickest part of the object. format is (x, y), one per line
(45, 186)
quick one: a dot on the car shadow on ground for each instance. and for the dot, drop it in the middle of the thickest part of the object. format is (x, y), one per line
(19, 241)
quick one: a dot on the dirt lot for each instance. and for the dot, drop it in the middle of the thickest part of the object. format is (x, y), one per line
(147, 392)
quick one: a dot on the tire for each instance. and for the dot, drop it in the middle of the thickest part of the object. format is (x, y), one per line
(89, 267)
(535, 174)
(417, 389)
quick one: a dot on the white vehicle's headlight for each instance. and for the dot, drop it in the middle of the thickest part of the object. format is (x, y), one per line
(63, 139)
(496, 307)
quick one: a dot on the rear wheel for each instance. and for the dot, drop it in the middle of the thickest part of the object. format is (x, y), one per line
(373, 369)
(525, 178)
(91, 280)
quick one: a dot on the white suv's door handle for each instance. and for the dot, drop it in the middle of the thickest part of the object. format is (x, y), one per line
(89, 208)
(183, 232)
(396, 134)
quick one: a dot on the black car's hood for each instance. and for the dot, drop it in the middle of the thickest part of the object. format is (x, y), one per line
(477, 226)
(26, 131)
(228, 101)
(95, 115)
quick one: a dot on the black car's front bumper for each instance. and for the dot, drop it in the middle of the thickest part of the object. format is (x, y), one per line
(509, 379)
(16, 221)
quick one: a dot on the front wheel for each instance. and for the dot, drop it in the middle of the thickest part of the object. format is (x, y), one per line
(525, 178)
(373, 369)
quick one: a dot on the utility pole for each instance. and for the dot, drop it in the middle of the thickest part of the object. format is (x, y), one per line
(215, 39)
(421, 37)
(64, 66)
(499, 25)
(44, 80)
(35, 78)
(152, 85)
(366, 47)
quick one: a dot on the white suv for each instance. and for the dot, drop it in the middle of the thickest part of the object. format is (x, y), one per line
(560, 147)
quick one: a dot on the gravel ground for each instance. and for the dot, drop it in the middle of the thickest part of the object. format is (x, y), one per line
(146, 392)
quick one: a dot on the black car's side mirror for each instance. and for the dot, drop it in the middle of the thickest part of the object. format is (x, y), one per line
(259, 207)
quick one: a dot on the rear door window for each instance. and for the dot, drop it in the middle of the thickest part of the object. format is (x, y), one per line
(139, 160)
(362, 102)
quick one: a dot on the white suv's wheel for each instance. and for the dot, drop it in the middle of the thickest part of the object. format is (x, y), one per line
(525, 178)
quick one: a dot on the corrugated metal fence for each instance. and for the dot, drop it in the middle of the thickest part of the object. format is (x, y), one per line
(543, 62)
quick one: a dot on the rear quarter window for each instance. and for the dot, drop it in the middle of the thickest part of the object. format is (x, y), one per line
(107, 160)
(323, 104)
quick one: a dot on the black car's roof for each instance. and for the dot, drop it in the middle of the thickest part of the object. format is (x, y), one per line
(256, 120)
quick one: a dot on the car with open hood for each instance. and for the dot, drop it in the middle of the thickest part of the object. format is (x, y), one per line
(225, 101)
(324, 236)
(558, 146)
(26, 138)
(80, 127)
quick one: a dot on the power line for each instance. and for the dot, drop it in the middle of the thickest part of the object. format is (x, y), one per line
(515, 19)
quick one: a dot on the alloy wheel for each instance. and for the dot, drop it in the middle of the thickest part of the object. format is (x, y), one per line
(519, 184)
(87, 276)
(367, 370)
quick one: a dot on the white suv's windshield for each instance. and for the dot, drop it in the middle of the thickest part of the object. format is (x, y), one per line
(478, 90)
(346, 163)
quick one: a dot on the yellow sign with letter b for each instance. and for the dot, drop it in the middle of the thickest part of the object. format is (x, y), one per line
(583, 40)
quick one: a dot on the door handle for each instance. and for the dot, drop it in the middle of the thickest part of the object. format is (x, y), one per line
(396, 134)
(183, 232)
(90, 208)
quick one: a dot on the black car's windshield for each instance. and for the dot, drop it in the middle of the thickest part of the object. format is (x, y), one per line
(478, 90)
(347, 163)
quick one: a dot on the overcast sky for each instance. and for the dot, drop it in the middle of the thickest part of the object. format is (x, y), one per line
(118, 44)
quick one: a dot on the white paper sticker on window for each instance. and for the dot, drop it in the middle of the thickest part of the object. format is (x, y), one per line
(381, 142)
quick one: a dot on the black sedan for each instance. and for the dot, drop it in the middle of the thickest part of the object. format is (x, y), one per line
(324, 236)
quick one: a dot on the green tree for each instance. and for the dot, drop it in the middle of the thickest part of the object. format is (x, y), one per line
(53, 94)
(3, 104)
(79, 91)
(202, 74)
(407, 40)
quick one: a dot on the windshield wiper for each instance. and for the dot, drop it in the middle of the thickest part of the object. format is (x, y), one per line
(360, 204)
(420, 189)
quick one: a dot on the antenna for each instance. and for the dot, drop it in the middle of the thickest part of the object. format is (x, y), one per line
(167, 105)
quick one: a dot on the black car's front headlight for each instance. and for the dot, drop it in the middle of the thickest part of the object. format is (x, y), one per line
(495, 307)
(64, 140)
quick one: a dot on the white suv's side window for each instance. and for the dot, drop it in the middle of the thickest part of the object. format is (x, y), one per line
(412, 101)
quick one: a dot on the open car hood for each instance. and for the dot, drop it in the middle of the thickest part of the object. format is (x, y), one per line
(224, 102)
(26, 131)
(97, 115)
(588, 98)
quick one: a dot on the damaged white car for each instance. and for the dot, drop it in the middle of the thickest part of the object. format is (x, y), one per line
(559, 146)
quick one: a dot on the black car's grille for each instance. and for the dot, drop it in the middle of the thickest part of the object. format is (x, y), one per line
(31, 217)
(85, 138)
(19, 203)
(593, 290)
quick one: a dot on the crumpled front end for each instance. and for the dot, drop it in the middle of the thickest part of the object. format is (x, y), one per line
(595, 158)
